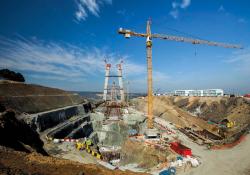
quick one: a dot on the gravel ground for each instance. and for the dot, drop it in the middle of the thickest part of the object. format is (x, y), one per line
(232, 161)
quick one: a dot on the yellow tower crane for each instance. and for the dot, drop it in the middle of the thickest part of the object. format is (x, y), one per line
(149, 37)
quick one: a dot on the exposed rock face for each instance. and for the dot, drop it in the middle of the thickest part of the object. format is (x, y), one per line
(218, 109)
(18, 135)
(196, 111)
(2, 108)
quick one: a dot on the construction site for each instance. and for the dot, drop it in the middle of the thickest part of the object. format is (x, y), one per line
(46, 130)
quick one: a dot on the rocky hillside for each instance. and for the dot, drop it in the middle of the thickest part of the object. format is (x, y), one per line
(16, 134)
(196, 111)
(21, 153)
(164, 107)
(207, 108)
(216, 108)
(21, 149)
(31, 98)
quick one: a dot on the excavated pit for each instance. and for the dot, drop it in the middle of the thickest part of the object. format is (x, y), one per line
(47, 120)
(58, 127)
(78, 128)
(68, 122)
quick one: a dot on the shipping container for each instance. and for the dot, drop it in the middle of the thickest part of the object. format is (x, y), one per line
(181, 149)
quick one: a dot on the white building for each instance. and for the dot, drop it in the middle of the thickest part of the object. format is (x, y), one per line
(205, 93)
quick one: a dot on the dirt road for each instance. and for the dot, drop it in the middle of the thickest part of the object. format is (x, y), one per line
(232, 161)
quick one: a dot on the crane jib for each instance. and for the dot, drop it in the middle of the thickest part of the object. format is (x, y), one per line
(128, 33)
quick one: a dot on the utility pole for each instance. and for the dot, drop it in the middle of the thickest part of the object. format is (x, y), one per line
(149, 37)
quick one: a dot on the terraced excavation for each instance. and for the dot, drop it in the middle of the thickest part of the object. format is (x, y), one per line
(83, 133)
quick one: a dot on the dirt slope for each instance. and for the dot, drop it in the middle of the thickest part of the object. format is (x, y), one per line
(144, 156)
(217, 108)
(31, 98)
(166, 108)
(14, 162)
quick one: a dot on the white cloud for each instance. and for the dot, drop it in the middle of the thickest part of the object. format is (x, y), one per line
(68, 66)
(52, 60)
(242, 20)
(185, 3)
(81, 13)
(240, 55)
(160, 77)
(221, 9)
(241, 60)
(121, 12)
(177, 6)
(174, 13)
(89, 6)
(238, 19)
(160, 80)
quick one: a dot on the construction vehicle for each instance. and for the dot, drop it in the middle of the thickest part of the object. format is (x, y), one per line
(86, 143)
(230, 124)
(149, 37)
(223, 124)
(89, 147)
(227, 123)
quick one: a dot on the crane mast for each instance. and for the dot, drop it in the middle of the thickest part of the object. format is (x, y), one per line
(149, 37)
(150, 123)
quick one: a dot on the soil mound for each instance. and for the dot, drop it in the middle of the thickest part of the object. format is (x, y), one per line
(144, 156)
(14, 162)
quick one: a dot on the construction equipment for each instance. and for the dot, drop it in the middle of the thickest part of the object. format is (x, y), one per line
(226, 124)
(230, 124)
(149, 36)
(88, 146)
(85, 144)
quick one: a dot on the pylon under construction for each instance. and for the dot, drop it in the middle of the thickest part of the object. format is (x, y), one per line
(107, 88)
(107, 72)
(119, 66)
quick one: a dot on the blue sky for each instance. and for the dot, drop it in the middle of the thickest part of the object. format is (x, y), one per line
(62, 43)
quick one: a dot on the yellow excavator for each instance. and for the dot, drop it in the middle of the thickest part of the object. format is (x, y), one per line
(88, 146)
(230, 124)
(84, 145)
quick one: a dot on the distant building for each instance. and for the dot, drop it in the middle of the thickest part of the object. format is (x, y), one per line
(201, 93)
